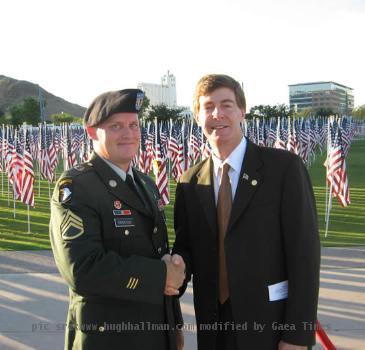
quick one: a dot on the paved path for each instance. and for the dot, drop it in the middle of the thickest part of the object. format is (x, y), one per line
(33, 301)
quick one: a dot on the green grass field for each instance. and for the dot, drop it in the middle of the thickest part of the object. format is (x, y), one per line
(347, 225)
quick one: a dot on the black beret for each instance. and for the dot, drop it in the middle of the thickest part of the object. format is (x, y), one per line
(109, 103)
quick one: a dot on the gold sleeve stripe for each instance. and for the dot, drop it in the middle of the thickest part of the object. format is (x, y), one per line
(135, 284)
(132, 283)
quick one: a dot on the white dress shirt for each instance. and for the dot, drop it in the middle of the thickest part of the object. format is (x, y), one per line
(234, 160)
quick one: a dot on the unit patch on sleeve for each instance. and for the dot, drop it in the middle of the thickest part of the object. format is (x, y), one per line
(71, 226)
(65, 190)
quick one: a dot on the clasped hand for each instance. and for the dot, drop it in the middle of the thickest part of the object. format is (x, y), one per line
(175, 273)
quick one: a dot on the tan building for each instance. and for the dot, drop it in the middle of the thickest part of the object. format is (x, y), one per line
(321, 95)
(164, 93)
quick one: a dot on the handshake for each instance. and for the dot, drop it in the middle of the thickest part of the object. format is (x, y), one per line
(175, 273)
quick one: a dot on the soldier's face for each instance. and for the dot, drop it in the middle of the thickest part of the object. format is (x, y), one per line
(117, 139)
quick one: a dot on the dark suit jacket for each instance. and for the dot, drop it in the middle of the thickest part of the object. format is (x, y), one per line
(272, 237)
(108, 247)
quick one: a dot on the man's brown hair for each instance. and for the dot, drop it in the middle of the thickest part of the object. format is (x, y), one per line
(211, 82)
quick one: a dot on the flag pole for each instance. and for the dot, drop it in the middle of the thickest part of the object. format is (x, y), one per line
(2, 181)
(28, 219)
(14, 205)
(8, 193)
(328, 147)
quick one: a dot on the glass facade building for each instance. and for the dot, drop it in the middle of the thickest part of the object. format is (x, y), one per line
(321, 95)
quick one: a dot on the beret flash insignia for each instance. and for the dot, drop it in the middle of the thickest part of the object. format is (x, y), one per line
(139, 100)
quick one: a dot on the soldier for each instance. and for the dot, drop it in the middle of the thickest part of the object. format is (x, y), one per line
(110, 243)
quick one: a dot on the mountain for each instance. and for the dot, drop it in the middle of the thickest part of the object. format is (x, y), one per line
(13, 92)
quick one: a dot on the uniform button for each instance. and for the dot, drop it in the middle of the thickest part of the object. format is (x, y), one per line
(155, 229)
(159, 250)
(101, 329)
(126, 232)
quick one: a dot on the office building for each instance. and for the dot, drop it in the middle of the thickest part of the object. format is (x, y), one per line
(321, 95)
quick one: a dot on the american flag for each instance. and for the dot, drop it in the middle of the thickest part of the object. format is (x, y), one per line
(144, 162)
(160, 171)
(175, 147)
(194, 144)
(48, 156)
(304, 142)
(346, 135)
(280, 137)
(70, 155)
(2, 154)
(27, 191)
(271, 134)
(312, 138)
(206, 149)
(292, 144)
(337, 177)
(52, 153)
(15, 167)
(260, 132)
(150, 141)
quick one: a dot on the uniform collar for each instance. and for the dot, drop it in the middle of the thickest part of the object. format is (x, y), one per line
(119, 171)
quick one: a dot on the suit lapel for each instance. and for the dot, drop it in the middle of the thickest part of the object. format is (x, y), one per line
(116, 185)
(248, 183)
(205, 192)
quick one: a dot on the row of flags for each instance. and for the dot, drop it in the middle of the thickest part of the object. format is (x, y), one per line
(170, 148)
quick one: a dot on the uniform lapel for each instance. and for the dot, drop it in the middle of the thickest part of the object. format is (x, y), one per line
(205, 192)
(148, 194)
(116, 185)
(248, 183)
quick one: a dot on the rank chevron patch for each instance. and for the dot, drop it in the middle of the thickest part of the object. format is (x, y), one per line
(71, 226)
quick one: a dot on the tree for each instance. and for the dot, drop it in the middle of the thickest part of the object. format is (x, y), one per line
(359, 112)
(164, 113)
(268, 111)
(324, 112)
(143, 112)
(305, 113)
(28, 111)
(64, 118)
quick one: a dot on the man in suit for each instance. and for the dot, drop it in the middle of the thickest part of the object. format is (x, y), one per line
(110, 243)
(246, 227)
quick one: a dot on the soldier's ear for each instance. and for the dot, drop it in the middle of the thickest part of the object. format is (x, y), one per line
(91, 131)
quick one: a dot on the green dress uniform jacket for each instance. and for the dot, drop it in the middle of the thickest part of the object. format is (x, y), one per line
(108, 245)
(272, 239)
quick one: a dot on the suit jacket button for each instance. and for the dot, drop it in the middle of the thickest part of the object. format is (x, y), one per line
(155, 229)
(126, 232)
(159, 250)
(101, 329)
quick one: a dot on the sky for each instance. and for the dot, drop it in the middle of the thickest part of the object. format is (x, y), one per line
(77, 49)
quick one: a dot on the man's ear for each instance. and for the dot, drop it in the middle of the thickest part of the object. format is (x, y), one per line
(243, 114)
(91, 131)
